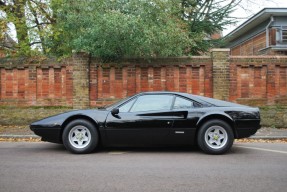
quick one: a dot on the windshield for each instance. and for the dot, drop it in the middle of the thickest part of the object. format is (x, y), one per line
(111, 106)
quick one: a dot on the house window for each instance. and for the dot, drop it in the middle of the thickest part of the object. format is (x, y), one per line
(284, 35)
(281, 35)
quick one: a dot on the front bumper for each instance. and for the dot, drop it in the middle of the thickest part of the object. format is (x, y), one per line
(50, 134)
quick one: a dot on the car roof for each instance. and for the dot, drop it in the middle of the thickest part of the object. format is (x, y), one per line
(164, 92)
(191, 96)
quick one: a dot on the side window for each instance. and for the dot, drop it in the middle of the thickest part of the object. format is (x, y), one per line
(181, 103)
(126, 107)
(152, 102)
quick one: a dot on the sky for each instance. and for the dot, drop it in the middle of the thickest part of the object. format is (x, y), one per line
(249, 9)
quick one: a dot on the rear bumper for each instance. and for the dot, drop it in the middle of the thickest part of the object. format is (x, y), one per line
(246, 128)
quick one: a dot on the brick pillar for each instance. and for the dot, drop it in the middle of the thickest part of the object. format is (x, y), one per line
(220, 73)
(271, 84)
(81, 93)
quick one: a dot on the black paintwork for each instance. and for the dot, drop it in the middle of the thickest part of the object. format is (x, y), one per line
(154, 127)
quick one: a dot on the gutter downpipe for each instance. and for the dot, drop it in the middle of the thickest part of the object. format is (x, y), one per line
(267, 31)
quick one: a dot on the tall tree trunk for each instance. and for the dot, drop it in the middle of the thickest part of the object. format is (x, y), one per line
(21, 26)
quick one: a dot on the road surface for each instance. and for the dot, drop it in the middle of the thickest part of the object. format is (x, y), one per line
(49, 167)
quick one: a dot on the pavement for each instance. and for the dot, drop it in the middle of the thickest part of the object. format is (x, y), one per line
(270, 133)
(263, 133)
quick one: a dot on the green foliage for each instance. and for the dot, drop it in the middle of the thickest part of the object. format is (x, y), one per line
(114, 29)
(32, 20)
(15, 13)
(205, 18)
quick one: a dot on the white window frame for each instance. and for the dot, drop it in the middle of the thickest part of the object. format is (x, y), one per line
(284, 35)
(281, 35)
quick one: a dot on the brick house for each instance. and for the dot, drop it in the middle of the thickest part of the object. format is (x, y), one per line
(263, 34)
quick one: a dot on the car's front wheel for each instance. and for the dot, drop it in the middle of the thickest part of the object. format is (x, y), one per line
(80, 136)
(215, 137)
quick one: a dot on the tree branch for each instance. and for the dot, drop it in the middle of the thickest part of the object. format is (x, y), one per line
(39, 24)
(46, 14)
(35, 42)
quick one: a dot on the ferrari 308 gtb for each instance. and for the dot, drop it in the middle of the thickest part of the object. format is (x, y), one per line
(153, 119)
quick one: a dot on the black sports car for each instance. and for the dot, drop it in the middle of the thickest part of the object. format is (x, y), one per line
(153, 118)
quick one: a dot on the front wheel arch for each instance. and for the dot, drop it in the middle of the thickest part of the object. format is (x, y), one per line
(75, 117)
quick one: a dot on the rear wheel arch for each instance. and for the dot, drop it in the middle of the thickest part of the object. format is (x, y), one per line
(226, 119)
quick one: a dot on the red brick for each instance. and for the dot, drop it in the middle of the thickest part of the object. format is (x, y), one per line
(257, 79)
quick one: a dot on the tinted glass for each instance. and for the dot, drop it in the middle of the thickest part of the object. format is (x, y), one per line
(152, 102)
(181, 103)
(126, 107)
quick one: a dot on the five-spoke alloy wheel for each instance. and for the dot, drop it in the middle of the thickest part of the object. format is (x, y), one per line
(215, 137)
(80, 136)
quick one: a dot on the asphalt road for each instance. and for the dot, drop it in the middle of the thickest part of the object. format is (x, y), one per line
(49, 167)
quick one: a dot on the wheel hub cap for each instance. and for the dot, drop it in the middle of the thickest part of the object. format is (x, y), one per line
(79, 137)
(216, 137)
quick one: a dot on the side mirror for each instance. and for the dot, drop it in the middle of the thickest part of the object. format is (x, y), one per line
(115, 111)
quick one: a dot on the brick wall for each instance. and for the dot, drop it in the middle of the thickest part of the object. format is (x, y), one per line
(113, 81)
(35, 83)
(81, 81)
(258, 80)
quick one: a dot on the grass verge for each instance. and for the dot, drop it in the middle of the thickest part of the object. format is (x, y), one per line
(24, 116)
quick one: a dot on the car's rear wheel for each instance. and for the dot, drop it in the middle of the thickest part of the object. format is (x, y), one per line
(80, 136)
(215, 137)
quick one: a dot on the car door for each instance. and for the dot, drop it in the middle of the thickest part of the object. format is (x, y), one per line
(183, 130)
(144, 120)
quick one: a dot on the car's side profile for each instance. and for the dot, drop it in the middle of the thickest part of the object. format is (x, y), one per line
(153, 119)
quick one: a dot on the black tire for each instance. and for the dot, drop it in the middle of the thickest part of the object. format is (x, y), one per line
(80, 137)
(215, 137)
